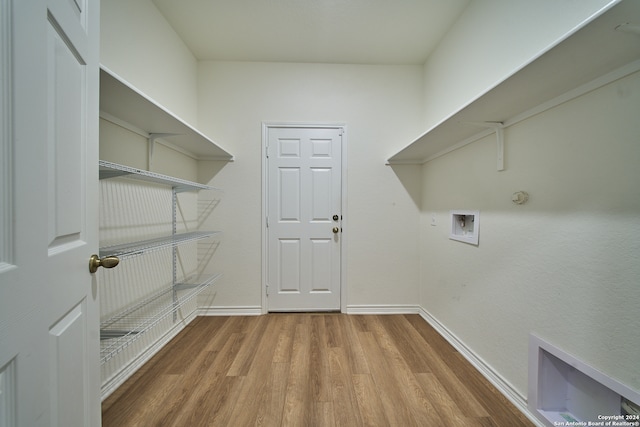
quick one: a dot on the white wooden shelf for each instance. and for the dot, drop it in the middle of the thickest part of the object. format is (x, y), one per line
(122, 329)
(122, 101)
(591, 52)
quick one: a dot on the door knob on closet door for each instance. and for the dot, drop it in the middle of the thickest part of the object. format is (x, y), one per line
(335, 230)
(107, 262)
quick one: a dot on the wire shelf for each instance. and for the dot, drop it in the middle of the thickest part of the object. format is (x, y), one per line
(128, 250)
(114, 170)
(121, 330)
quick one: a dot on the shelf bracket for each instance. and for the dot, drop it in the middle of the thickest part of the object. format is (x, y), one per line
(498, 128)
(152, 140)
(500, 146)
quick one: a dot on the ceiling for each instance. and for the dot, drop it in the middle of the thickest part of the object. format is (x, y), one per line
(326, 31)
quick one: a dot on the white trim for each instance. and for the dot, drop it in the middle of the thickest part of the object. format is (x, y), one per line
(230, 311)
(8, 394)
(383, 309)
(6, 137)
(345, 229)
(503, 386)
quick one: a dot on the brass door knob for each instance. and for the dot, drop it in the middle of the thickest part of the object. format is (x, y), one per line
(336, 229)
(107, 262)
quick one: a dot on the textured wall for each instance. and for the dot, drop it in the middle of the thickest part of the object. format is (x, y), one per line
(491, 40)
(138, 44)
(381, 107)
(566, 264)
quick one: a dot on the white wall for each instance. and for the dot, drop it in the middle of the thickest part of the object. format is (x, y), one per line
(139, 45)
(381, 107)
(566, 264)
(491, 40)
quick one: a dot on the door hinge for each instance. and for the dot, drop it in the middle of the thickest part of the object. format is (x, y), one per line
(267, 222)
(266, 151)
(267, 289)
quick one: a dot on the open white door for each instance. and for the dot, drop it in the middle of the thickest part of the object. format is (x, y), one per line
(49, 314)
(304, 218)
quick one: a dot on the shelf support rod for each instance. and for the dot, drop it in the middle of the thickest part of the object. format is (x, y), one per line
(152, 142)
(174, 249)
(500, 146)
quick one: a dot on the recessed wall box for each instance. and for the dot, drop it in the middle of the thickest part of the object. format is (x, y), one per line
(563, 388)
(465, 226)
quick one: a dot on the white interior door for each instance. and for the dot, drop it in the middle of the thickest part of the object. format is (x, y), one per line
(304, 218)
(49, 316)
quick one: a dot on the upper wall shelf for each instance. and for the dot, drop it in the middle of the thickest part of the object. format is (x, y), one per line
(593, 51)
(121, 100)
(114, 170)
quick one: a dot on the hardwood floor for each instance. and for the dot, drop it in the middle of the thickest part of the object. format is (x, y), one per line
(309, 370)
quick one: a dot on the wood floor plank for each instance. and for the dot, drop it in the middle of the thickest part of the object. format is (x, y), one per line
(296, 404)
(354, 350)
(484, 394)
(345, 402)
(187, 348)
(369, 402)
(389, 391)
(400, 332)
(309, 370)
(439, 345)
(421, 409)
(253, 388)
(502, 411)
(323, 414)
(202, 397)
(319, 362)
(454, 385)
(448, 411)
(145, 406)
(253, 335)
(284, 346)
(269, 411)
(334, 332)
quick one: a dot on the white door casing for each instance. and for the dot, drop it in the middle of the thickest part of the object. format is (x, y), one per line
(49, 314)
(304, 221)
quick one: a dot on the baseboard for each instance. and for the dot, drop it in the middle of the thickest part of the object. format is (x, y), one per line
(230, 311)
(352, 309)
(503, 386)
(126, 372)
(383, 309)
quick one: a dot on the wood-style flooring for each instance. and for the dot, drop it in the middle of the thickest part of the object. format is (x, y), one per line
(309, 370)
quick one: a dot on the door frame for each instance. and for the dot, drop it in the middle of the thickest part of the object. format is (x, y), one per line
(265, 191)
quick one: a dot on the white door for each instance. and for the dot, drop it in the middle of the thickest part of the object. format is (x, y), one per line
(304, 218)
(49, 316)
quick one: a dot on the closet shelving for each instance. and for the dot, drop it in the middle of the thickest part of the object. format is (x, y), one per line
(122, 103)
(123, 328)
(113, 170)
(128, 250)
(154, 306)
(602, 47)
